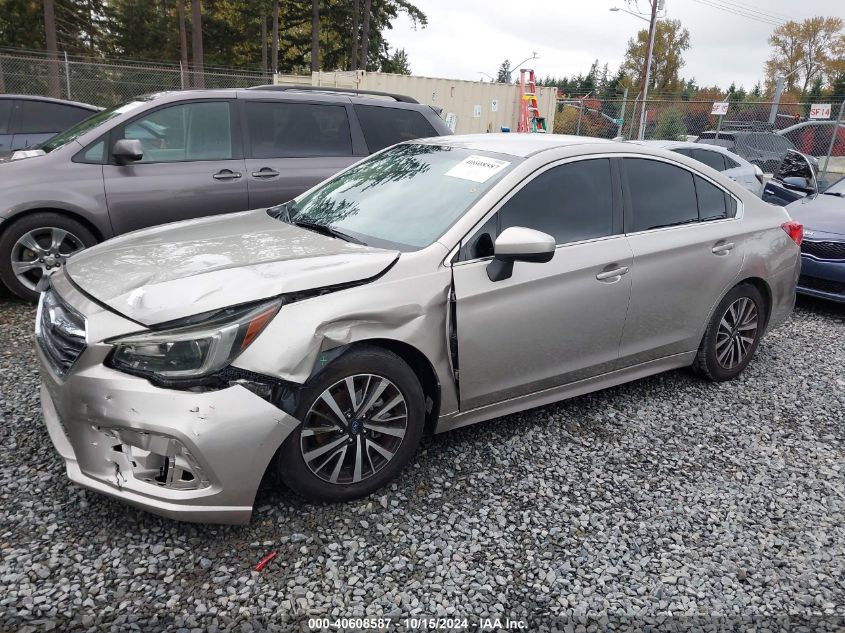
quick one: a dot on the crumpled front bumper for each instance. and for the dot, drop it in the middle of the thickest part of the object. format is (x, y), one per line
(193, 456)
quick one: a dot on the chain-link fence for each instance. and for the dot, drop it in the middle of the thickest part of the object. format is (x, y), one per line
(106, 83)
(745, 129)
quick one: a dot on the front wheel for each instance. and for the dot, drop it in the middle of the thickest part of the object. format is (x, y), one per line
(361, 421)
(36, 245)
(732, 335)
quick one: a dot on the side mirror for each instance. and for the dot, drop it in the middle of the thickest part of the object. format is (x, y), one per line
(797, 183)
(127, 151)
(519, 244)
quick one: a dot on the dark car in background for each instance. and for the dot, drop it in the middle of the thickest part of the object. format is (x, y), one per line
(178, 155)
(27, 120)
(796, 176)
(823, 248)
(764, 149)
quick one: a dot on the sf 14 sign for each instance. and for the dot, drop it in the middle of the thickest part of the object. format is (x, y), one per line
(720, 108)
(820, 111)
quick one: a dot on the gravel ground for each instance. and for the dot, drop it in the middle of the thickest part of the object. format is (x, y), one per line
(669, 501)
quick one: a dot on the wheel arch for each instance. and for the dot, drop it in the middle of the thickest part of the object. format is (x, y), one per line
(421, 366)
(763, 287)
(73, 215)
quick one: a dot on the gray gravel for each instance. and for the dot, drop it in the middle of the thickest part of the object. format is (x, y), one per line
(669, 501)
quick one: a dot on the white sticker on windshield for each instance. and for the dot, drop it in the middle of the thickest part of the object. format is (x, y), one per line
(477, 168)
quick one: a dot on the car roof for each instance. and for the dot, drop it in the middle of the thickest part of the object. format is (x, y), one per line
(522, 145)
(77, 104)
(685, 145)
(260, 92)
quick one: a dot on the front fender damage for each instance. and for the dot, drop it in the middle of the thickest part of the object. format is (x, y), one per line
(309, 334)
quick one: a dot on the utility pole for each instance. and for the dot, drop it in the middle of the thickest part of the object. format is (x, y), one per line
(652, 28)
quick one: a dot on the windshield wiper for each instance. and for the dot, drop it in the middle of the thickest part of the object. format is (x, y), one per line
(325, 230)
(834, 193)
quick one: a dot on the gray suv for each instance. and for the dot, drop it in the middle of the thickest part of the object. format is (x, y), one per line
(178, 155)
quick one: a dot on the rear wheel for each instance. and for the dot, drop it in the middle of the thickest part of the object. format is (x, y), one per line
(732, 335)
(36, 245)
(361, 421)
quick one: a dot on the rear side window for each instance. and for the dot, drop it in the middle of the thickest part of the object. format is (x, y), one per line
(41, 117)
(711, 159)
(570, 202)
(712, 201)
(384, 126)
(279, 129)
(5, 115)
(661, 195)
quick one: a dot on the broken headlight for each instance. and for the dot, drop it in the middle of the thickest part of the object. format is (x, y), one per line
(194, 350)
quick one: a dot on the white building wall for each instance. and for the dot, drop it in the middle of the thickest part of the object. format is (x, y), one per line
(476, 106)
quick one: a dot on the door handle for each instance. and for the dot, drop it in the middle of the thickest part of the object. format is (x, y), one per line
(723, 249)
(614, 274)
(226, 174)
(265, 173)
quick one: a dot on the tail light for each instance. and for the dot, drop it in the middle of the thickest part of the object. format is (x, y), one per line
(795, 230)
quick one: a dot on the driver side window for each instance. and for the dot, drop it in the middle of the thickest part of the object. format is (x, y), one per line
(184, 132)
(570, 202)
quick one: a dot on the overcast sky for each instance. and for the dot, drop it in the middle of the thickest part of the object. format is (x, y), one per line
(467, 36)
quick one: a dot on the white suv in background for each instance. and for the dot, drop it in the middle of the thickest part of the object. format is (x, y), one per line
(733, 166)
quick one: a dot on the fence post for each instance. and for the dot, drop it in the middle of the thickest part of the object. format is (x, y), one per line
(67, 75)
(622, 118)
(833, 137)
(580, 113)
(181, 75)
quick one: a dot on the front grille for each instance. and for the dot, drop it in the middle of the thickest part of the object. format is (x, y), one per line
(60, 332)
(824, 250)
(822, 285)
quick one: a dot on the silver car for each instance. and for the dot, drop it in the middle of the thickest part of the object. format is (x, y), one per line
(433, 285)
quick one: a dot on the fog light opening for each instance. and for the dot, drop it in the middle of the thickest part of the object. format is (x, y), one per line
(158, 460)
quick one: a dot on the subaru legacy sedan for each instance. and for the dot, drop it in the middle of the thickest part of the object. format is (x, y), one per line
(433, 285)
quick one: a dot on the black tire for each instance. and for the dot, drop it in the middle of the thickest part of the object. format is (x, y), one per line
(720, 345)
(37, 221)
(360, 361)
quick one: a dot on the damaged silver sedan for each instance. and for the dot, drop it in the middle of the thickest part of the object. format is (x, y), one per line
(433, 285)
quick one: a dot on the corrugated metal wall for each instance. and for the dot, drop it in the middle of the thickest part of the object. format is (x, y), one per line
(475, 106)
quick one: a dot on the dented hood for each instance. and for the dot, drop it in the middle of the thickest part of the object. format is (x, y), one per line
(182, 269)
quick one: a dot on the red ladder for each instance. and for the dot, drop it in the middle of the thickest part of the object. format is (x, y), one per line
(529, 108)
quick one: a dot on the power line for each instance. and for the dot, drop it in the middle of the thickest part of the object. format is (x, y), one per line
(738, 6)
(775, 14)
(735, 10)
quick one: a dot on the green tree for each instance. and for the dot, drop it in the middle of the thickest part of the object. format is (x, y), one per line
(504, 74)
(670, 41)
(670, 125)
(806, 50)
(397, 63)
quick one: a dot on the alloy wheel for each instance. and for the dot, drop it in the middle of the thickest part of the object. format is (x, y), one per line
(737, 332)
(41, 251)
(354, 428)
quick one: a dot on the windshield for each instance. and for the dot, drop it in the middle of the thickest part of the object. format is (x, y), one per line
(404, 197)
(86, 125)
(837, 188)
